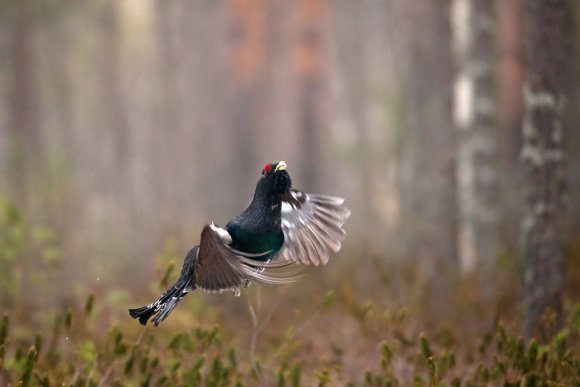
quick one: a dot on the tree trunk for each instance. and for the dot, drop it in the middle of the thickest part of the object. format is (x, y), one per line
(573, 139)
(427, 143)
(475, 112)
(510, 109)
(548, 35)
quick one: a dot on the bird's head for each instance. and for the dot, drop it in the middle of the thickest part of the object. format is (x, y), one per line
(275, 179)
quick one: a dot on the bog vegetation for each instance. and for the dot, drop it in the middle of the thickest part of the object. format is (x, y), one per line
(269, 337)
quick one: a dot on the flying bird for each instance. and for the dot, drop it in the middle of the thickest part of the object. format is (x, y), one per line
(281, 227)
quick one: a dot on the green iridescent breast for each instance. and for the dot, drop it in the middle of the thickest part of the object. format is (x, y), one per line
(251, 242)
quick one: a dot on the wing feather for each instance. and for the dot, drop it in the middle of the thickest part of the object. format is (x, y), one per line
(218, 268)
(312, 224)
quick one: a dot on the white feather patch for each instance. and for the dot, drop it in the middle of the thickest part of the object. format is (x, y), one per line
(287, 208)
(223, 233)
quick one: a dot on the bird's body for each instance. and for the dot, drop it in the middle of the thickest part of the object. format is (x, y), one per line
(258, 228)
(281, 226)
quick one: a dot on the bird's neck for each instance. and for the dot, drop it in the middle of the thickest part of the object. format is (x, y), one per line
(266, 203)
(264, 199)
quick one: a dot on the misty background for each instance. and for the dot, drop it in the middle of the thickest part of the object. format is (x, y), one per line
(127, 125)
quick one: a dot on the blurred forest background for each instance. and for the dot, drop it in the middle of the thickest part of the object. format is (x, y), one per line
(127, 125)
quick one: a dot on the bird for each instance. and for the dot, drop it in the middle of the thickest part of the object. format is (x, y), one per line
(281, 227)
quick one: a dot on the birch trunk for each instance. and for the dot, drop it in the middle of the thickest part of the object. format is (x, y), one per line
(475, 118)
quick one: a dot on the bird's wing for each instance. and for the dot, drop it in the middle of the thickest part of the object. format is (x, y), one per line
(312, 224)
(219, 268)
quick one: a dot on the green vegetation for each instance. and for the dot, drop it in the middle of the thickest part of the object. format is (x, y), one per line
(298, 335)
(203, 356)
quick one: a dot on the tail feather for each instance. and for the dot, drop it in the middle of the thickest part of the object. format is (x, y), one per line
(169, 300)
(144, 313)
(163, 306)
(168, 307)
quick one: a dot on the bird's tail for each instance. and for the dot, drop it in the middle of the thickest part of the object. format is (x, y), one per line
(169, 300)
(164, 305)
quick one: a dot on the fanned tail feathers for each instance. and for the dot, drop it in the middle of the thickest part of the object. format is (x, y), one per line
(169, 300)
(163, 306)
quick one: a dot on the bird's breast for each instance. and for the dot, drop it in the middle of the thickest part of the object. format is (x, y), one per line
(256, 242)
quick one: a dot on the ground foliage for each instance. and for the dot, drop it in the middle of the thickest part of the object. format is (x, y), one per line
(318, 332)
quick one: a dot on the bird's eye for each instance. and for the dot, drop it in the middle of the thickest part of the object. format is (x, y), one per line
(267, 169)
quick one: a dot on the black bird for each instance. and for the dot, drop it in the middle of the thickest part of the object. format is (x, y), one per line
(281, 226)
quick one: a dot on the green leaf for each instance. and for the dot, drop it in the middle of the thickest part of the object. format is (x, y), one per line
(90, 303)
(4, 329)
(323, 378)
(30, 361)
(446, 362)
(575, 317)
(232, 357)
(387, 355)
(52, 255)
(38, 342)
(280, 380)
(328, 300)
(88, 351)
(129, 365)
(425, 348)
(559, 343)
(483, 374)
(68, 318)
(295, 374)
(532, 354)
(432, 371)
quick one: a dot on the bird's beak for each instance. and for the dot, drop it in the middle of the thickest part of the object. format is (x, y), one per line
(281, 166)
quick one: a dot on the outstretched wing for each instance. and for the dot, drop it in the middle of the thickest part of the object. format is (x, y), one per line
(312, 224)
(218, 268)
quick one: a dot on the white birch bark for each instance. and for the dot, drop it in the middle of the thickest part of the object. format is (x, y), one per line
(475, 118)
